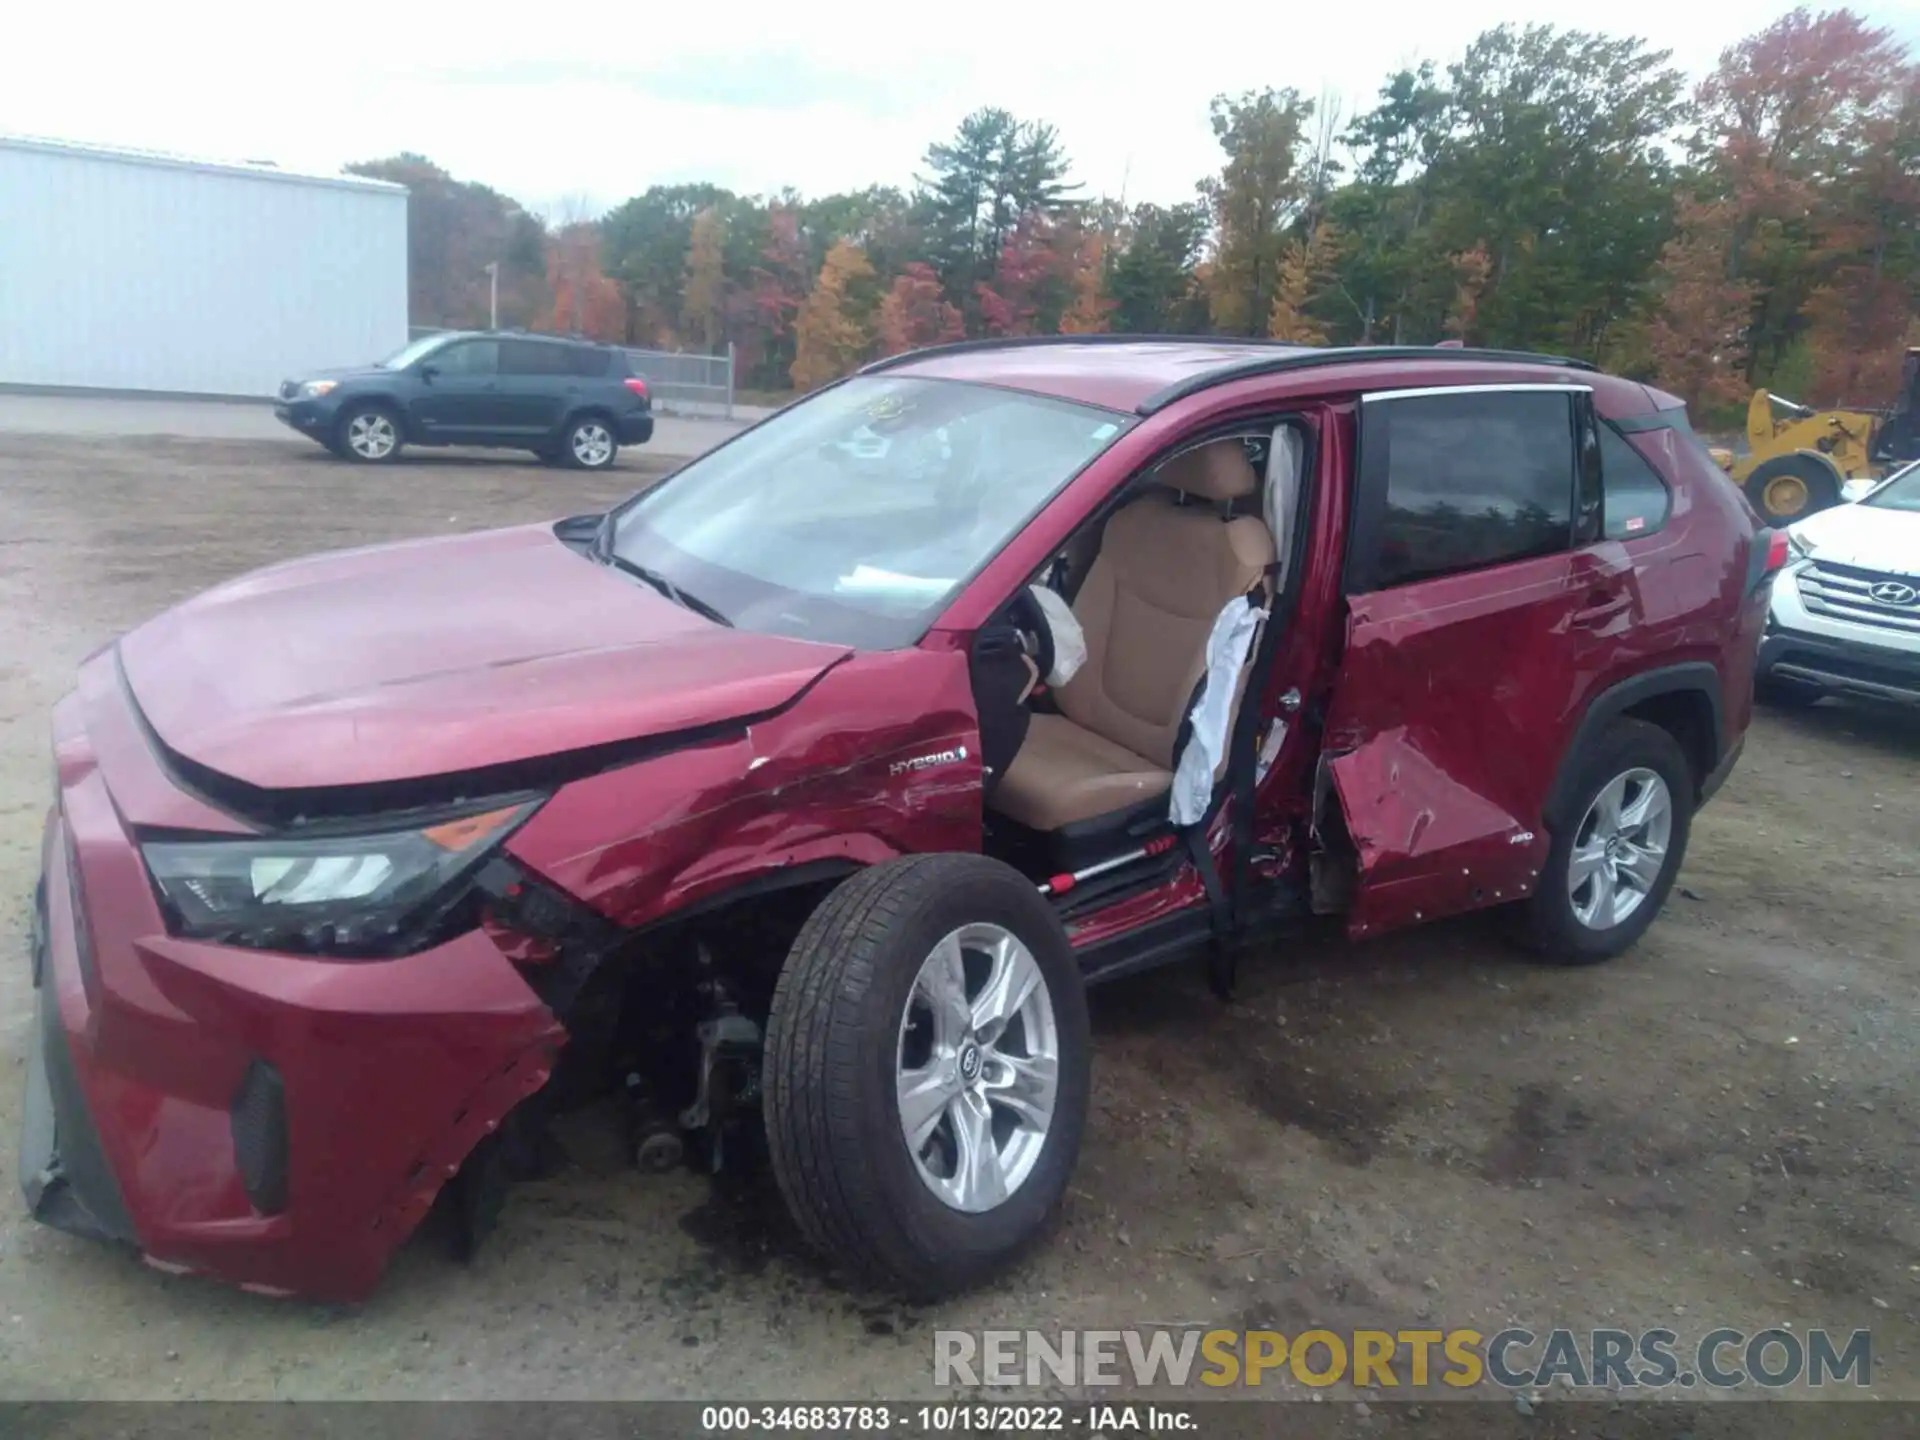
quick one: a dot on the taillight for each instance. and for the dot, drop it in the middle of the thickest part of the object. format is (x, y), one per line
(636, 385)
(1778, 551)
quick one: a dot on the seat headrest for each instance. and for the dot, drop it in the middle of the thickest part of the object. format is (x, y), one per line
(1217, 471)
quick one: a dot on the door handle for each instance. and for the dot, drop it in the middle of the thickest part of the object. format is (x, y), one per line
(1601, 606)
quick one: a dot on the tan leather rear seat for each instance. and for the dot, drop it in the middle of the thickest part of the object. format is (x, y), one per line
(1165, 570)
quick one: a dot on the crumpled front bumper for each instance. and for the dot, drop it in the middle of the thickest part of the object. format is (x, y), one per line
(63, 1173)
(273, 1121)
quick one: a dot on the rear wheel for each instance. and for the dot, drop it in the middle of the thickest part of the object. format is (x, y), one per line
(369, 435)
(926, 1072)
(589, 444)
(1617, 849)
(1792, 487)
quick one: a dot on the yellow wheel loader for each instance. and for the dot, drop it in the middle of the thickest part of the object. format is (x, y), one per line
(1798, 457)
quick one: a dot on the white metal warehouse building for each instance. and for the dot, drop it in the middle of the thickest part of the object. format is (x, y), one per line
(123, 270)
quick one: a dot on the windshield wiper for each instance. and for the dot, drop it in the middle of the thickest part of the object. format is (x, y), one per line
(666, 587)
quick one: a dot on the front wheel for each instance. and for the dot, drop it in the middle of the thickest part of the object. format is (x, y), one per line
(1792, 487)
(369, 434)
(1617, 849)
(926, 1072)
(589, 444)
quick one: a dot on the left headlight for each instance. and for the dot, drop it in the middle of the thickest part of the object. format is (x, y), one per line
(314, 389)
(363, 896)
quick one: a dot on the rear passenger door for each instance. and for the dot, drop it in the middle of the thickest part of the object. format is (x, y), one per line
(535, 382)
(1476, 586)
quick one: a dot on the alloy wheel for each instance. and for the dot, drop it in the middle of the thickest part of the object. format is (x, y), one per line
(592, 445)
(1620, 849)
(978, 1068)
(371, 435)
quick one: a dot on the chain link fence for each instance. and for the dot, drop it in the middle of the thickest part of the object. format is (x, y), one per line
(680, 383)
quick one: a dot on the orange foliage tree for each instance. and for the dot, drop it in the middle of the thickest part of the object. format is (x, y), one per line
(1306, 269)
(832, 333)
(1697, 338)
(706, 283)
(585, 300)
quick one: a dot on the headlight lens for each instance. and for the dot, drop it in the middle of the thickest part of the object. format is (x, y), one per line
(317, 388)
(349, 896)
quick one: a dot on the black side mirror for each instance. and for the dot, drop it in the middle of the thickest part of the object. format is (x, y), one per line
(427, 372)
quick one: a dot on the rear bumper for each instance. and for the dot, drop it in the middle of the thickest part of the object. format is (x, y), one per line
(274, 1121)
(1841, 667)
(635, 429)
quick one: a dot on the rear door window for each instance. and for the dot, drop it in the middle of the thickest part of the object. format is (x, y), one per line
(1461, 480)
(532, 357)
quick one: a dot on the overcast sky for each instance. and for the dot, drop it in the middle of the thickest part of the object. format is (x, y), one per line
(583, 104)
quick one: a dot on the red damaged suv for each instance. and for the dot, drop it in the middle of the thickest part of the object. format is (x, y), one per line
(794, 802)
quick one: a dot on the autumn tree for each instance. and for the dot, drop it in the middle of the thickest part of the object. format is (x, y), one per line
(833, 333)
(1806, 138)
(455, 229)
(775, 289)
(1697, 337)
(1306, 269)
(1252, 199)
(915, 312)
(586, 301)
(1090, 311)
(704, 290)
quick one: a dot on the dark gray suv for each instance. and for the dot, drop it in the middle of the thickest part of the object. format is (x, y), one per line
(569, 401)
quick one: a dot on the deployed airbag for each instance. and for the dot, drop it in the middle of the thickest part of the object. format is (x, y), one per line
(1069, 640)
(1227, 646)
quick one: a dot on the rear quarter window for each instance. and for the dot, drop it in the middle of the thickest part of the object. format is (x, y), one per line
(589, 360)
(1637, 500)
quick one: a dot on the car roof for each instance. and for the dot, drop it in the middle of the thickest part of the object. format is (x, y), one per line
(540, 336)
(1146, 373)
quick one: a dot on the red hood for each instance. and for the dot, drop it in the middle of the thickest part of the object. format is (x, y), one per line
(436, 656)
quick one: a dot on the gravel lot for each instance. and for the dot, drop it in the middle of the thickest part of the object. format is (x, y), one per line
(1719, 1129)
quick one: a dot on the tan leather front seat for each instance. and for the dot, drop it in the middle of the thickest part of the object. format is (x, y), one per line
(1168, 564)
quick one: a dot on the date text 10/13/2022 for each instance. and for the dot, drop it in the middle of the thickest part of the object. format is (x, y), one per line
(943, 1419)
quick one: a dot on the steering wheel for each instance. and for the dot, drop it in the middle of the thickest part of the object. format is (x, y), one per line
(1026, 616)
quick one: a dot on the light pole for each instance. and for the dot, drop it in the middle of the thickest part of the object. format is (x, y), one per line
(493, 295)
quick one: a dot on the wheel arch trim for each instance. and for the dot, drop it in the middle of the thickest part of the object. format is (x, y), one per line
(1693, 677)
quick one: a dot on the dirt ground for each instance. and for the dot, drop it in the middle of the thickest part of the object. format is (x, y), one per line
(1719, 1129)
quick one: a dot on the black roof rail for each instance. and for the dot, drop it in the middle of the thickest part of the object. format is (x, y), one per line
(1022, 342)
(1301, 358)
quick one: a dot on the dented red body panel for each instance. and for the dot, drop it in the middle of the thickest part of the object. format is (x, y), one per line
(1441, 711)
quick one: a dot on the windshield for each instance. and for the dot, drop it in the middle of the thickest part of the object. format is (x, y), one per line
(413, 350)
(1902, 492)
(853, 517)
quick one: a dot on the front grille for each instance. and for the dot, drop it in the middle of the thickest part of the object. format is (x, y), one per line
(1842, 592)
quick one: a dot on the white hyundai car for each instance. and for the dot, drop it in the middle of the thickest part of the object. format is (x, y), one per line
(1846, 610)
